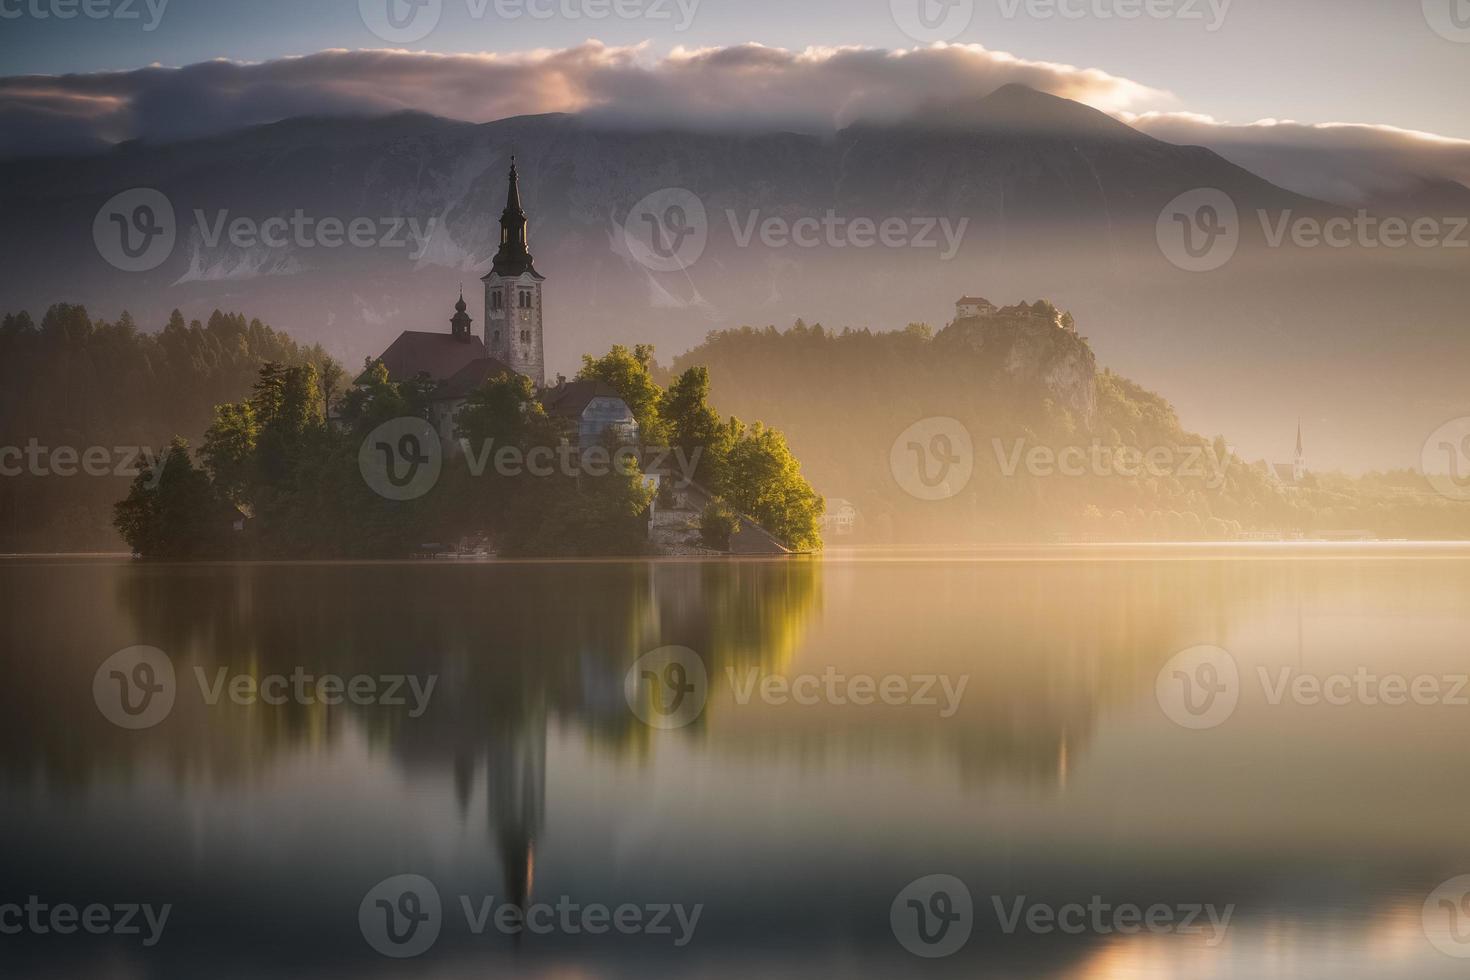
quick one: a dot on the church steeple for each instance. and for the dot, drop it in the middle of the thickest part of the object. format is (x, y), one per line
(514, 292)
(513, 196)
(514, 256)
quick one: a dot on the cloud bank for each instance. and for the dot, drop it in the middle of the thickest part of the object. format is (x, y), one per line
(749, 85)
(745, 86)
(1346, 163)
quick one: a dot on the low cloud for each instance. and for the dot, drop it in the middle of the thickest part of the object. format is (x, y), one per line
(1347, 163)
(745, 86)
(748, 85)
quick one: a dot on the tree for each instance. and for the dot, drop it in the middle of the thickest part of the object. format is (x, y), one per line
(504, 409)
(579, 516)
(763, 479)
(116, 383)
(717, 525)
(373, 399)
(695, 427)
(503, 412)
(331, 375)
(171, 510)
(229, 449)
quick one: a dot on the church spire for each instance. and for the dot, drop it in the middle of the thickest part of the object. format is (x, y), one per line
(513, 196)
(1299, 463)
(514, 257)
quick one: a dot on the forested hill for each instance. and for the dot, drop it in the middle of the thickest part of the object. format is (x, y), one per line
(1025, 387)
(72, 385)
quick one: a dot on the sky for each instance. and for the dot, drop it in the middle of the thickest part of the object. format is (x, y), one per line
(1398, 62)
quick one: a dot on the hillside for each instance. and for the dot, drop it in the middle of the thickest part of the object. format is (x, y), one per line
(1058, 447)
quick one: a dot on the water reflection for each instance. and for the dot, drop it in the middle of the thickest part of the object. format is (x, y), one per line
(1058, 777)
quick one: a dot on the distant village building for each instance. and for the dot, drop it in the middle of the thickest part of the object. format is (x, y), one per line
(840, 518)
(1292, 474)
(514, 343)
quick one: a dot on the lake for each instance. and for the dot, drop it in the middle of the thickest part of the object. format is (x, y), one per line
(1087, 762)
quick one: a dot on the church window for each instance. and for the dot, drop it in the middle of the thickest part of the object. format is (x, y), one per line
(525, 299)
(495, 338)
(497, 301)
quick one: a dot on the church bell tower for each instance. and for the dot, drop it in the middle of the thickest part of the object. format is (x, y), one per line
(513, 295)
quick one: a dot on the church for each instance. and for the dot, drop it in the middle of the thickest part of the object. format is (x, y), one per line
(1293, 474)
(513, 343)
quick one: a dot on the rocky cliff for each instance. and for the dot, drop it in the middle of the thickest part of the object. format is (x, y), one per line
(1033, 346)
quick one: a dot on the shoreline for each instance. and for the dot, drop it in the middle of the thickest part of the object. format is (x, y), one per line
(999, 553)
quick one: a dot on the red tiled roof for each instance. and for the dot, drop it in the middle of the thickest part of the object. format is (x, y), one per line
(470, 377)
(571, 399)
(439, 355)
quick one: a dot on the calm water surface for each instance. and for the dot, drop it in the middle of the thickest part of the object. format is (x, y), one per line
(1059, 777)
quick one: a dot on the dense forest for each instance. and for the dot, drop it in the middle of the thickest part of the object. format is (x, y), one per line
(843, 397)
(73, 385)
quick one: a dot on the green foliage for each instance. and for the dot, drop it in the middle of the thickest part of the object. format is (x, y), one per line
(586, 516)
(694, 427)
(763, 479)
(172, 511)
(754, 469)
(275, 455)
(77, 381)
(717, 525)
(630, 374)
(504, 410)
(229, 448)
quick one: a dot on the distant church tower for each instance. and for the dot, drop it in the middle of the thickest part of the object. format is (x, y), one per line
(513, 295)
(1299, 462)
(459, 324)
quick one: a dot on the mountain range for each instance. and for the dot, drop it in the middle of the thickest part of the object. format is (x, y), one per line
(1012, 196)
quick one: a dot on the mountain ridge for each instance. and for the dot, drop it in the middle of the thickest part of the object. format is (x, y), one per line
(1062, 213)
